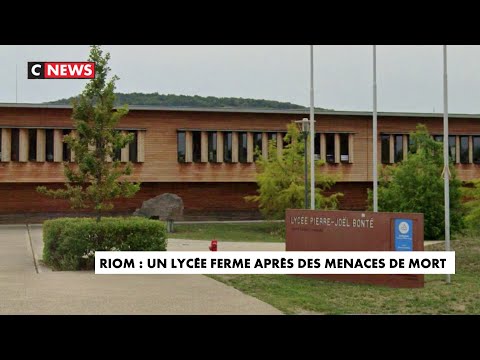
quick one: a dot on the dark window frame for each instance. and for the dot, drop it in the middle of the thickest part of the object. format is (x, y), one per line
(133, 147)
(212, 146)
(330, 148)
(15, 145)
(257, 139)
(271, 136)
(227, 147)
(196, 146)
(476, 149)
(464, 160)
(343, 138)
(66, 151)
(32, 144)
(242, 147)
(452, 157)
(317, 144)
(49, 145)
(397, 148)
(117, 152)
(385, 148)
(181, 146)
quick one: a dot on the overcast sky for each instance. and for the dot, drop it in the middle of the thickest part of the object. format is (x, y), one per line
(409, 77)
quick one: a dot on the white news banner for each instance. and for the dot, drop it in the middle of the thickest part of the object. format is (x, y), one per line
(275, 262)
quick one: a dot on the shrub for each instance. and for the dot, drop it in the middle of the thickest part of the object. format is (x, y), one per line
(70, 243)
(416, 185)
(471, 192)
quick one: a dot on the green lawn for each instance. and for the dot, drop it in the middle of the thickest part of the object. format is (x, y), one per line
(294, 295)
(266, 231)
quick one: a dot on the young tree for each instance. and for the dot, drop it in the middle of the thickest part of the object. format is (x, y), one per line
(416, 185)
(280, 179)
(93, 182)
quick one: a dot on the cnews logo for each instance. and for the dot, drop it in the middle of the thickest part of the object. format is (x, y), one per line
(61, 70)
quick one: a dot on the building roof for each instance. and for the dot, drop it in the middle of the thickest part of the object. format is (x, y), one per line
(251, 110)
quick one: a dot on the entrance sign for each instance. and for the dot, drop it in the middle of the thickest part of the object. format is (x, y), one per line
(403, 235)
(318, 230)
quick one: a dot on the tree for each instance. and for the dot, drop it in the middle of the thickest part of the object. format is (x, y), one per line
(472, 205)
(280, 179)
(93, 182)
(416, 185)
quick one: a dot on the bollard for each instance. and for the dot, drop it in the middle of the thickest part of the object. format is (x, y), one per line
(213, 245)
(169, 225)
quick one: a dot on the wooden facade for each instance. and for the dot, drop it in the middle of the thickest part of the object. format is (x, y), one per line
(157, 160)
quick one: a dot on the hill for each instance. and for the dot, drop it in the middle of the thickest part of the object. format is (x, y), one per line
(156, 99)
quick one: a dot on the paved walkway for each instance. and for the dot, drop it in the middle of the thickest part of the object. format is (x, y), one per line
(24, 291)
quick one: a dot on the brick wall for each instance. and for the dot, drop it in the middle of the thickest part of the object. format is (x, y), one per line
(201, 200)
(354, 194)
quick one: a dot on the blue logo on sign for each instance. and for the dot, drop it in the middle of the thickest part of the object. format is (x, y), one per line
(403, 235)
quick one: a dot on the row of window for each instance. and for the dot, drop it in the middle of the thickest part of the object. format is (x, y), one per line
(240, 146)
(40, 145)
(396, 147)
(334, 143)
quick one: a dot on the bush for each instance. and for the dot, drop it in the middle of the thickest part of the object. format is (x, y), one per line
(70, 243)
(416, 185)
(471, 192)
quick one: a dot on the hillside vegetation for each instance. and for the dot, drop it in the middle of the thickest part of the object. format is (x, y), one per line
(156, 99)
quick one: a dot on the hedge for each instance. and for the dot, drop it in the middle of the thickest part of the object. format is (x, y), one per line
(70, 243)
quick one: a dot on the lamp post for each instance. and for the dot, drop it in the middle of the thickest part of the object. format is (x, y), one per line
(305, 130)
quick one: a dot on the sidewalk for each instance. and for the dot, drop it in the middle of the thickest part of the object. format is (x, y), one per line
(24, 291)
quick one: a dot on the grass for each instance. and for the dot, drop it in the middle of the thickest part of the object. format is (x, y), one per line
(294, 295)
(256, 232)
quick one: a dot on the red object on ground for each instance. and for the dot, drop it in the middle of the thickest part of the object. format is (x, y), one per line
(213, 245)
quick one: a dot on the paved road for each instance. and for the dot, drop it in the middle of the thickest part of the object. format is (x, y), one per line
(24, 291)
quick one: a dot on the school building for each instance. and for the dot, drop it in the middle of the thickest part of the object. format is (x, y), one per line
(206, 155)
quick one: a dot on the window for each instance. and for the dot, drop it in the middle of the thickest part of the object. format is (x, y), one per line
(66, 152)
(452, 144)
(330, 145)
(117, 152)
(272, 136)
(464, 149)
(196, 146)
(411, 147)
(133, 147)
(212, 147)
(49, 144)
(257, 145)
(15, 145)
(344, 154)
(285, 142)
(32, 144)
(242, 147)
(476, 149)
(317, 146)
(398, 146)
(385, 139)
(227, 147)
(180, 146)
